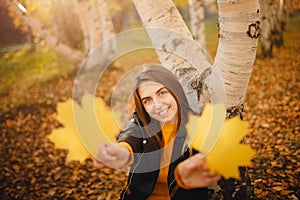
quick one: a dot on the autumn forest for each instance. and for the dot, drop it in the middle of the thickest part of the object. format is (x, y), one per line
(49, 47)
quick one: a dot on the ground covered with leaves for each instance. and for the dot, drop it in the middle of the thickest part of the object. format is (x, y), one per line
(32, 168)
(273, 111)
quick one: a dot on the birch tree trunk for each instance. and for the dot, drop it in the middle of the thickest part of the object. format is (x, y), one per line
(227, 79)
(274, 15)
(197, 19)
(175, 46)
(106, 19)
(65, 24)
(107, 27)
(99, 31)
(268, 16)
(279, 25)
(97, 26)
(211, 5)
(239, 30)
(238, 38)
(90, 23)
(73, 55)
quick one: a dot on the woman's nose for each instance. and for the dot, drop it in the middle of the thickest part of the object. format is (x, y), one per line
(157, 106)
(157, 103)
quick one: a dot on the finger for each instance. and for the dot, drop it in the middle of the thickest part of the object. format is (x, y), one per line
(211, 181)
(105, 154)
(205, 165)
(210, 174)
(214, 173)
(216, 178)
(102, 150)
(201, 155)
(213, 178)
(108, 157)
(196, 161)
(112, 149)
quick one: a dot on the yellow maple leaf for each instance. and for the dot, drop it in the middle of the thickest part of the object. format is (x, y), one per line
(220, 140)
(84, 127)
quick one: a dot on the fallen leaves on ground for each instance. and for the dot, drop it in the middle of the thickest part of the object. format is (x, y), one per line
(273, 110)
(32, 167)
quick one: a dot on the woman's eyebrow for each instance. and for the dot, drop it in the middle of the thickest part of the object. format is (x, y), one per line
(144, 98)
(158, 91)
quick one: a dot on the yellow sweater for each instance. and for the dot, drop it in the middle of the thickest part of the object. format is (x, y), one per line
(161, 191)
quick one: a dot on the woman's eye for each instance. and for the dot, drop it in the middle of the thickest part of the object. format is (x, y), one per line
(147, 101)
(163, 93)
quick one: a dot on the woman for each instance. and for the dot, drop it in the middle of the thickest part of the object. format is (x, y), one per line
(153, 143)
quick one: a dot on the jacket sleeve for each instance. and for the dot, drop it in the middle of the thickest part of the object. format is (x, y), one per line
(132, 134)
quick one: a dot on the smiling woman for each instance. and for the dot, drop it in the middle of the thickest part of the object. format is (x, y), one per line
(154, 143)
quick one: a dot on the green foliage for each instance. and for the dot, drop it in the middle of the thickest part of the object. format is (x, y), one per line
(291, 37)
(25, 68)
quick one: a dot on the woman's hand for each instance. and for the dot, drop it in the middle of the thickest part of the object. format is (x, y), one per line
(113, 155)
(194, 172)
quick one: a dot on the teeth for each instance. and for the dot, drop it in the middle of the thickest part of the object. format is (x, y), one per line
(163, 112)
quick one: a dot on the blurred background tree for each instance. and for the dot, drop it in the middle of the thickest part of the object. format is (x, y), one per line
(65, 23)
(274, 16)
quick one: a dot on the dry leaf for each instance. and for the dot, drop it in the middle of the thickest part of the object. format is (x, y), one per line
(85, 127)
(220, 140)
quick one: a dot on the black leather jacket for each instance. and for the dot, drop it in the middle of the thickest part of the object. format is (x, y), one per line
(145, 169)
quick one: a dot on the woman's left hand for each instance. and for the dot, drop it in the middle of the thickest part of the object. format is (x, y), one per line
(194, 172)
(113, 155)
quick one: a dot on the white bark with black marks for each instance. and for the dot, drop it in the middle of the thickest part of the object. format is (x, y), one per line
(231, 70)
(197, 19)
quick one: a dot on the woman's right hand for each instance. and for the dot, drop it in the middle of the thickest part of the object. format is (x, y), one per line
(113, 155)
(194, 173)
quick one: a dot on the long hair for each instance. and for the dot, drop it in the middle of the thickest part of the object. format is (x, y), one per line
(159, 74)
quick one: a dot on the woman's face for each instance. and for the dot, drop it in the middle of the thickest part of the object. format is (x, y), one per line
(158, 102)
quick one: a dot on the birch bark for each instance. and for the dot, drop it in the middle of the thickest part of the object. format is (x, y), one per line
(106, 19)
(274, 15)
(107, 26)
(238, 37)
(90, 23)
(197, 19)
(174, 44)
(238, 31)
(268, 15)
